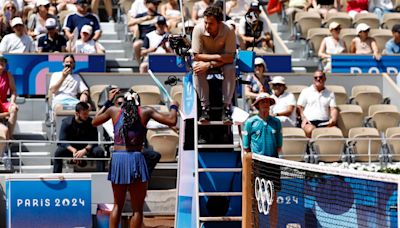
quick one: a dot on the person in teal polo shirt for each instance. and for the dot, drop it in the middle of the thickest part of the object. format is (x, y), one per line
(262, 134)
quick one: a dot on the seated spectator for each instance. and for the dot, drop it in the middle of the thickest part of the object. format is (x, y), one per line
(155, 42)
(380, 7)
(317, 105)
(17, 42)
(85, 45)
(9, 11)
(294, 6)
(356, 6)
(66, 86)
(52, 41)
(393, 45)
(236, 9)
(172, 13)
(331, 45)
(325, 6)
(78, 128)
(137, 7)
(363, 43)
(146, 23)
(79, 19)
(259, 82)
(37, 21)
(107, 6)
(285, 103)
(19, 6)
(254, 31)
(198, 9)
(8, 109)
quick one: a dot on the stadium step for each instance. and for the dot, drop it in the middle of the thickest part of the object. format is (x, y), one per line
(33, 158)
(34, 168)
(221, 219)
(110, 35)
(114, 44)
(220, 193)
(30, 147)
(219, 170)
(29, 126)
(113, 54)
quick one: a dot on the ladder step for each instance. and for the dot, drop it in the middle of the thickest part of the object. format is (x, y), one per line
(220, 170)
(220, 193)
(214, 123)
(218, 146)
(221, 219)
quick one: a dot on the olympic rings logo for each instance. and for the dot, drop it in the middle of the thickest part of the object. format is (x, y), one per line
(264, 193)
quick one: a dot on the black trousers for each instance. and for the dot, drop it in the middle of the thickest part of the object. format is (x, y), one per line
(95, 152)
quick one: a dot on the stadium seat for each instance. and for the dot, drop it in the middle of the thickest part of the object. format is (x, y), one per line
(340, 93)
(390, 19)
(330, 150)
(381, 36)
(350, 116)
(294, 143)
(304, 21)
(368, 18)
(347, 35)
(95, 91)
(383, 116)
(366, 95)
(295, 89)
(176, 93)
(360, 140)
(314, 40)
(149, 94)
(342, 18)
(392, 136)
(165, 142)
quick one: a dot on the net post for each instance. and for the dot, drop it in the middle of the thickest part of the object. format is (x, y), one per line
(247, 190)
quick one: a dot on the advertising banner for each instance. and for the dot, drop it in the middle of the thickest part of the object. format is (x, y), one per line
(365, 64)
(48, 202)
(29, 70)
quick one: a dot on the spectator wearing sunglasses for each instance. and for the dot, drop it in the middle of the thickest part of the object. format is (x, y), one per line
(317, 105)
(331, 45)
(37, 21)
(364, 44)
(9, 11)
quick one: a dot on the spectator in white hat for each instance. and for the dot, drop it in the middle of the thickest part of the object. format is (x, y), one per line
(17, 42)
(52, 41)
(37, 21)
(259, 82)
(331, 45)
(363, 43)
(85, 44)
(285, 102)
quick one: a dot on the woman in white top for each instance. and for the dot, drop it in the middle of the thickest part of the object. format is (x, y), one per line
(37, 21)
(331, 45)
(171, 11)
(85, 44)
(364, 44)
(285, 103)
(198, 10)
(236, 9)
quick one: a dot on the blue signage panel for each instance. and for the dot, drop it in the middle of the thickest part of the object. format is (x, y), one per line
(29, 70)
(172, 63)
(48, 203)
(365, 64)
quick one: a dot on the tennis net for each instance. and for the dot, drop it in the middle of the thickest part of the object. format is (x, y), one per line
(295, 194)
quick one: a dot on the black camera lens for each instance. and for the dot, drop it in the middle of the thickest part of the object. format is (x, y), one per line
(68, 65)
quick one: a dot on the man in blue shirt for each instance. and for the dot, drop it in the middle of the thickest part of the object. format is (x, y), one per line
(262, 134)
(393, 45)
(79, 19)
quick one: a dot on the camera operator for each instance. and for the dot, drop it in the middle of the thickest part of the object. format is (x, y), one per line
(253, 30)
(155, 42)
(214, 46)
